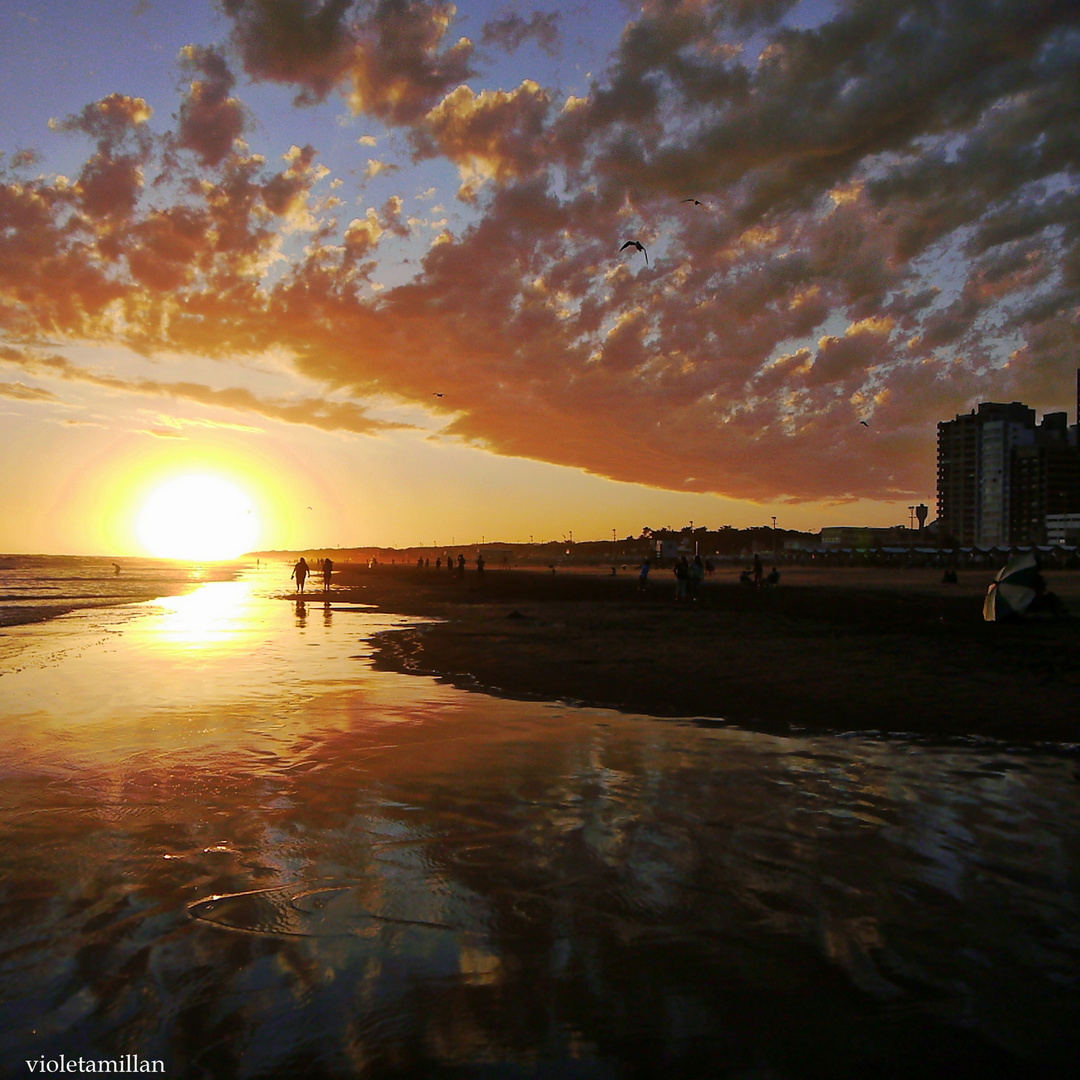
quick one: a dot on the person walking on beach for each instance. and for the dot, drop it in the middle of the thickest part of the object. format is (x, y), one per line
(300, 572)
(461, 565)
(757, 570)
(695, 577)
(682, 578)
(643, 575)
(327, 570)
(480, 563)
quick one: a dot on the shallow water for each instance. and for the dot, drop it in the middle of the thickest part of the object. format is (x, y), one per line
(229, 844)
(34, 588)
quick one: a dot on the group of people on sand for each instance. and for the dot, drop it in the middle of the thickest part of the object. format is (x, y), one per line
(458, 567)
(301, 571)
(756, 577)
(690, 574)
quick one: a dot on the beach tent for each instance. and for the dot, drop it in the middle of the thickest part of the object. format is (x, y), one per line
(1012, 591)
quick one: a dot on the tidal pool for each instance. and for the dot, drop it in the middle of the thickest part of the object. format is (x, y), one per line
(229, 844)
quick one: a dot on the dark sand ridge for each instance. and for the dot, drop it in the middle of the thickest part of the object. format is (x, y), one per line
(827, 650)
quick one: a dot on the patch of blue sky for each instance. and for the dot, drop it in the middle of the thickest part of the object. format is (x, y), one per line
(57, 58)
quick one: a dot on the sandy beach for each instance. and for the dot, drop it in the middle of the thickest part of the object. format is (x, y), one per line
(827, 650)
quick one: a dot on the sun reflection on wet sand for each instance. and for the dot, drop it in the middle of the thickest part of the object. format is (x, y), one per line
(216, 617)
(207, 671)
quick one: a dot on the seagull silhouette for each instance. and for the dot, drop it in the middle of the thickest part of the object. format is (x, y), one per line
(864, 423)
(636, 244)
(435, 393)
(696, 202)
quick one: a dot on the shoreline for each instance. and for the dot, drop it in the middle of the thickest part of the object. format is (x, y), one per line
(135, 587)
(831, 651)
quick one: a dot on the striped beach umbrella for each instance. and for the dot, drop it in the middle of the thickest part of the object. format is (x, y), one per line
(1012, 591)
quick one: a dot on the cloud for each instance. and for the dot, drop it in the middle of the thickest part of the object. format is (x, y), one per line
(308, 44)
(494, 134)
(375, 168)
(389, 55)
(210, 119)
(512, 31)
(889, 229)
(21, 392)
(313, 412)
(111, 180)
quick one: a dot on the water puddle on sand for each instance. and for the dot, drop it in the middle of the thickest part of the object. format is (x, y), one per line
(228, 843)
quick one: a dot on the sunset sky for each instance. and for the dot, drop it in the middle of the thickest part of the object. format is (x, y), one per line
(360, 262)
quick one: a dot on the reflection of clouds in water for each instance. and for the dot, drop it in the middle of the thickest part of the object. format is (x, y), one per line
(459, 878)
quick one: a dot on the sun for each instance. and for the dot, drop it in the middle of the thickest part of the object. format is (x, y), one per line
(197, 517)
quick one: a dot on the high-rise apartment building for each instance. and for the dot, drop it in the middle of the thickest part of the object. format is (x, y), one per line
(1045, 481)
(974, 477)
(1000, 475)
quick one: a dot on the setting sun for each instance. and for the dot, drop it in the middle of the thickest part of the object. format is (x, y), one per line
(198, 516)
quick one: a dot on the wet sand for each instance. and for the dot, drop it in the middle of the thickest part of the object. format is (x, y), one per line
(231, 845)
(828, 650)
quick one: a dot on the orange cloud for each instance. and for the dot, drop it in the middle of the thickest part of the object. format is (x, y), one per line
(210, 119)
(492, 134)
(312, 412)
(21, 392)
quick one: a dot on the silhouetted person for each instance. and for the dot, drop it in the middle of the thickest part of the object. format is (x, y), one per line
(773, 578)
(757, 569)
(643, 575)
(1044, 599)
(479, 562)
(438, 563)
(695, 577)
(116, 569)
(461, 564)
(682, 578)
(300, 571)
(327, 570)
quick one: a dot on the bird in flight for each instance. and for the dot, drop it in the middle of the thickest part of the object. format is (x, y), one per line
(696, 202)
(864, 423)
(435, 393)
(636, 244)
